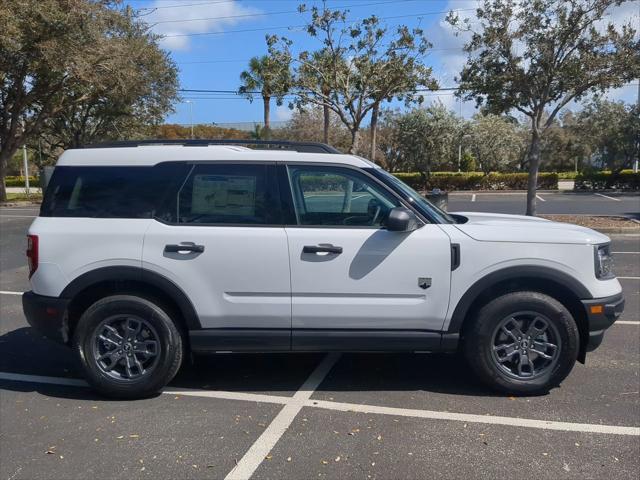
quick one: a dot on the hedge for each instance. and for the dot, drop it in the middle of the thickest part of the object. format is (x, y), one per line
(477, 181)
(625, 180)
(13, 181)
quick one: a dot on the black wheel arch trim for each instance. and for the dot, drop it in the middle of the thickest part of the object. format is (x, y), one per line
(513, 273)
(140, 275)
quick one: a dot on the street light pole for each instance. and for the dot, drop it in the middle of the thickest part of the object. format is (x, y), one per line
(190, 102)
(25, 159)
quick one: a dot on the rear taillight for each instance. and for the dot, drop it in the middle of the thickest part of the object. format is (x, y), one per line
(32, 253)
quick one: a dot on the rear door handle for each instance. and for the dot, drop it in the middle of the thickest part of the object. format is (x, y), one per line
(189, 247)
(321, 249)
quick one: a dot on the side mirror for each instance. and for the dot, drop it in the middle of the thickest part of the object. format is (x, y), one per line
(401, 219)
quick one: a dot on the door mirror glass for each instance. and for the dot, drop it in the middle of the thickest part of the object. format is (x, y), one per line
(401, 219)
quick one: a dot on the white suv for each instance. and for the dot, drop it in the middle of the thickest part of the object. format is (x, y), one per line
(144, 253)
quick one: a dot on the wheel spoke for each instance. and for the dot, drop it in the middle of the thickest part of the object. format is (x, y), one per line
(147, 347)
(111, 331)
(132, 327)
(525, 366)
(537, 343)
(541, 354)
(112, 357)
(537, 327)
(109, 341)
(508, 356)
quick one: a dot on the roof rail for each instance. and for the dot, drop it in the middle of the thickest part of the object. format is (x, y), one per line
(303, 147)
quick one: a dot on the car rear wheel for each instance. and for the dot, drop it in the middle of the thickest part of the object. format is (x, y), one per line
(128, 346)
(522, 343)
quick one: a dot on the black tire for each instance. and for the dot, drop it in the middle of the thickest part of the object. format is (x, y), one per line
(160, 368)
(480, 336)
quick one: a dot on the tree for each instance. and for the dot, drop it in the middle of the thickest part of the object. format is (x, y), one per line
(494, 142)
(306, 126)
(355, 71)
(423, 139)
(540, 55)
(271, 75)
(613, 129)
(69, 58)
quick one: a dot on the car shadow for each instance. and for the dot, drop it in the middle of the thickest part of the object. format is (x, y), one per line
(24, 352)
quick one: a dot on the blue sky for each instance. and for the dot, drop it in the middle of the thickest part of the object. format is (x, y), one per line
(212, 40)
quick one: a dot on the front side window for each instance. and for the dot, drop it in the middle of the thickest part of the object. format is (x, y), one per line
(335, 196)
(227, 194)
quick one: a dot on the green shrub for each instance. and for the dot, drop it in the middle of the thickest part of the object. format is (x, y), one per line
(14, 181)
(567, 175)
(625, 180)
(477, 181)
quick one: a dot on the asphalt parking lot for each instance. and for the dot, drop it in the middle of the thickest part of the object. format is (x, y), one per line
(627, 204)
(293, 416)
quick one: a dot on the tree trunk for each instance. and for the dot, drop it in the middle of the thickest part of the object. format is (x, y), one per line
(354, 140)
(5, 156)
(374, 128)
(267, 123)
(534, 164)
(326, 117)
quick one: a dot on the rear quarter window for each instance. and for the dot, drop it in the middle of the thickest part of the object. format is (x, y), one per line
(110, 192)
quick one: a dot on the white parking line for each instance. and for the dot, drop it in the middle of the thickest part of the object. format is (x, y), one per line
(473, 197)
(628, 278)
(606, 196)
(470, 418)
(627, 253)
(18, 216)
(264, 444)
(539, 197)
(626, 322)
(5, 292)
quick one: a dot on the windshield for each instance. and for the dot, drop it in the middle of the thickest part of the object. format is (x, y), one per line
(421, 203)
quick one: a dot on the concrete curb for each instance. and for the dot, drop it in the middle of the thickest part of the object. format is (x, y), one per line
(21, 203)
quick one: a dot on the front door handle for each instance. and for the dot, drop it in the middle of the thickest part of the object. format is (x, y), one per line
(189, 247)
(321, 249)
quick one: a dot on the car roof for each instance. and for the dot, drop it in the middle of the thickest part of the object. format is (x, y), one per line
(149, 155)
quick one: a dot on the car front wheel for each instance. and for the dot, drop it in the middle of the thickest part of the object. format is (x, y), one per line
(522, 343)
(128, 346)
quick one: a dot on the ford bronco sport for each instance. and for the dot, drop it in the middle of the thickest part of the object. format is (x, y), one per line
(146, 252)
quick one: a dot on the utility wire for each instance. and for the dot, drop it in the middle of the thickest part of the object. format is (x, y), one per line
(223, 32)
(265, 14)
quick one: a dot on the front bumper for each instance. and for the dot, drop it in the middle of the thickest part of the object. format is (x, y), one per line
(601, 314)
(48, 315)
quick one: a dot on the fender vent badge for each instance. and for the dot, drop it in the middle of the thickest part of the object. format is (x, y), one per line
(424, 282)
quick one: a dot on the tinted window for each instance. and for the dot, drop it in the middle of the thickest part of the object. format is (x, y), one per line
(109, 192)
(228, 194)
(337, 196)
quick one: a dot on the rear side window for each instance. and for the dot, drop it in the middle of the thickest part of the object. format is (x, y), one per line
(109, 192)
(228, 194)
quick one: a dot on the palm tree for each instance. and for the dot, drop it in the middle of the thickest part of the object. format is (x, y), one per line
(272, 77)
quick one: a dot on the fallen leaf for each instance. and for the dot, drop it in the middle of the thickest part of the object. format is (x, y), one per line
(324, 462)
(288, 459)
(120, 437)
(379, 437)
(337, 458)
(269, 457)
(50, 450)
(134, 436)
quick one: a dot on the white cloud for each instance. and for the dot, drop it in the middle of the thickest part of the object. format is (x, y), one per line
(282, 113)
(203, 17)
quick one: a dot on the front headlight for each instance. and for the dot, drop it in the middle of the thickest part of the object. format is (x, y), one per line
(603, 261)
